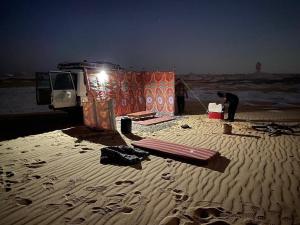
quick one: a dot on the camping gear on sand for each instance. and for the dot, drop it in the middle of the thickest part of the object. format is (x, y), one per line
(227, 129)
(122, 155)
(130, 151)
(183, 151)
(276, 129)
(215, 111)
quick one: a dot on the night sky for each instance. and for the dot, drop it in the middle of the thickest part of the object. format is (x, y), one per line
(188, 36)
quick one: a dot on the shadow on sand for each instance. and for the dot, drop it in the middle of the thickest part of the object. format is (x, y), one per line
(218, 163)
(14, 126)
(103, 137)
(110, 138)
(245, 135)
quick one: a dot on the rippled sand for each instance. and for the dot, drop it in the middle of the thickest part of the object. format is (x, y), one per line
(56, 177)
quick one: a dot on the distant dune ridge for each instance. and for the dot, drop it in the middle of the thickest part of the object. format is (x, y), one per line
(56, 177)
(260, 90)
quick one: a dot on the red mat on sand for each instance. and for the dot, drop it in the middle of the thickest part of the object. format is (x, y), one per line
(175, 149)
(141, 114)
(155, 120)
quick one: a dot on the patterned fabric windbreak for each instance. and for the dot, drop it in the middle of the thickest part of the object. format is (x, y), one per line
(125, 92)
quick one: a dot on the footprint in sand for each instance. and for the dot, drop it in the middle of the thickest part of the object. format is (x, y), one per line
(23, 201)
(34, 165)
(91, 201)
(79, 220)
(10, 164)
(82, 151)
(113, 206)
(7, 189)
(117, 195)
(169, 162)
(208, 213)
(135, 200)
(73, 182)
(53, 206)
(179, 196)
(125, 182)
(9, 174)
(52, 177)
(168, 176)
(48, 185)
(11, 181)
(110, 207)
(37, 146)
(5, 185)
(100, 210)
(126, 209)
(36, 176)
(68, 205)
(56, 206)
(96, 188)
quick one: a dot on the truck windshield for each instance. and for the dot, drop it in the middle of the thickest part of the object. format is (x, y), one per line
(61, 81)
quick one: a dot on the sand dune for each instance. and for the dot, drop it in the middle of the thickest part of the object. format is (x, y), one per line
(56, 177)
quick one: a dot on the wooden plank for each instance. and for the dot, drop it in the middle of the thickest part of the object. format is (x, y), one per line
(176, 149)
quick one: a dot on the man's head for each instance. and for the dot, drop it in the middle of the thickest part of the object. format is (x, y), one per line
(220, 94)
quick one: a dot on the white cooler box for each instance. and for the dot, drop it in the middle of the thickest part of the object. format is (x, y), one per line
(215, 111)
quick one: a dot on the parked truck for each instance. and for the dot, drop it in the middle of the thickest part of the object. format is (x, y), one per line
(65, 88)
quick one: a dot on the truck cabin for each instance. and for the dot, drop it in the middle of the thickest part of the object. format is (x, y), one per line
(65, 88)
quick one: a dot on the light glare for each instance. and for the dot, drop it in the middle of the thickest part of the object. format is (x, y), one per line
(102, 77)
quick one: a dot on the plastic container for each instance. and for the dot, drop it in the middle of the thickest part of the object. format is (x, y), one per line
(216, 115)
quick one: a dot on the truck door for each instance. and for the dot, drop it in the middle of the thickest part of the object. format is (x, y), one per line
(63, 90)
(43, 88)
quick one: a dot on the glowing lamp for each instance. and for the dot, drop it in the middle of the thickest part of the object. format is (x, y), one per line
(102, 77)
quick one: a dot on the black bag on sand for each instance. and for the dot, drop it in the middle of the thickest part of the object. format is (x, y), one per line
(111, 156)
(130, 151)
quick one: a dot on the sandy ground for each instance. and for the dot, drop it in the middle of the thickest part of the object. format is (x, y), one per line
(56, 177)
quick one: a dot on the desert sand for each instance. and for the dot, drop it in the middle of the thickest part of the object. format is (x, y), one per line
(56, 177)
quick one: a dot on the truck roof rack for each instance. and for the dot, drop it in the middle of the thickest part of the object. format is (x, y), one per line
(89, 65)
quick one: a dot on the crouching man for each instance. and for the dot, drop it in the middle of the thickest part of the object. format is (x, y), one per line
(232, 101)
